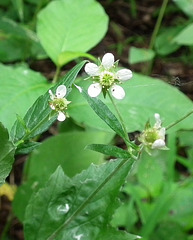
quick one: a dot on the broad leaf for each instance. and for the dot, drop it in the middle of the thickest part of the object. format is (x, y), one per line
(6, 154)
(68, 208)
(74, 28)
(37, 119)
(20, 87)
(145, 96)
(112, 151)
(67, 150)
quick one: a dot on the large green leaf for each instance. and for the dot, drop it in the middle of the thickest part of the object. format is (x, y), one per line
(144, 97)
(68, 208)
(6, 154)
(67, 29)
(67, 150)
(37, 119)
(20, 87)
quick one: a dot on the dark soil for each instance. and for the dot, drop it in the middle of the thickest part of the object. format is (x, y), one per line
(125, 25)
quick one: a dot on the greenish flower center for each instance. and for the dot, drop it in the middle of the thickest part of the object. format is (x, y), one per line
(59, 104)
(151, 135)
(107, 79)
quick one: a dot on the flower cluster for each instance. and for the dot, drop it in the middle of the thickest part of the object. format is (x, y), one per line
(105, 77)
(153, 137)
(58, 103)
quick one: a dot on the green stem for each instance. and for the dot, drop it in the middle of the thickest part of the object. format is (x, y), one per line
(181, 119)
(158, 23)
(156, 30)
(57, 73)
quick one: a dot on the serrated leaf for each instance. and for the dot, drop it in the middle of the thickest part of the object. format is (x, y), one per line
(105, 114)
(112, 151)
(144, 98)
(37, 118)
(79, 32)
(185, 37)
(68, 208)
(20, 87)
(138, 55)
(67, 150)
(7, 151)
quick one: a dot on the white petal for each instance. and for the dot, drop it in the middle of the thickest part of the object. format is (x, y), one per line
(162, 133)
(159, 143)
(91, 69)
(61, 116)
(94, 89)
(158, 120)
(124, 74)
(108, 60)
(78, 87)
(61, 91)
(117, 92)
(51, 94)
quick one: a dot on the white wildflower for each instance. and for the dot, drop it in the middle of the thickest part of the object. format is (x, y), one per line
(106, 77)
(58, 102)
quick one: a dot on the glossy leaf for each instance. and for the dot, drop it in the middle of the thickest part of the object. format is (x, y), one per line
(112, 151)
(145, 96)
(7, 151)
(71, 32)
(37, 118)
(67, 208)
(20, 87)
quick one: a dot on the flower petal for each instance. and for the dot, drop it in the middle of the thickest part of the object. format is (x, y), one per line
(159, 143)
(61, 91)
(157, 121)
(91, 69)
(51, 94)
(162, 133)
(94, 89)
(124, 74)
(61, 116)
(108, 60)
(117, 92)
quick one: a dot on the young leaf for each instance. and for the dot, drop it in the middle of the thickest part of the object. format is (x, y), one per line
(37, 118)
(109, 150)
(105, 114)
(66, 209)
(6, 154)
(138, 55)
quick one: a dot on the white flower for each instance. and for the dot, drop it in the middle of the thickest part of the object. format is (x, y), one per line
(58, 102)
(154, 137)
(106, 78)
